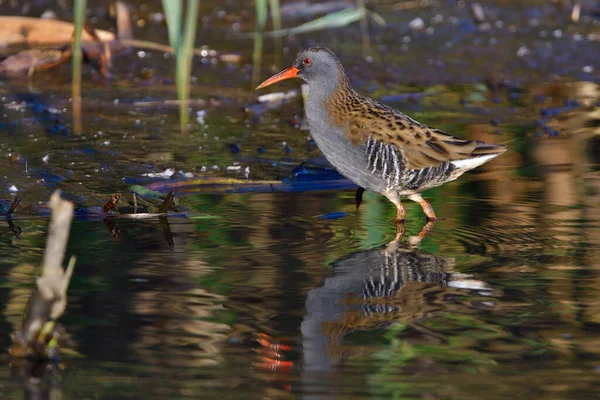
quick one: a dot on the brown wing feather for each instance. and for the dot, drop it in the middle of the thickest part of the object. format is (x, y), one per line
(420, 145)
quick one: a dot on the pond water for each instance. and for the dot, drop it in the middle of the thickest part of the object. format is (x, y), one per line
(299, 294)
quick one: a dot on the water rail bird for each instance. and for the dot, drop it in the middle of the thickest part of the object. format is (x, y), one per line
(375, 146)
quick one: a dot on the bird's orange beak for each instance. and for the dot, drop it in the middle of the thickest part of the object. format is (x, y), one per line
(289, 72)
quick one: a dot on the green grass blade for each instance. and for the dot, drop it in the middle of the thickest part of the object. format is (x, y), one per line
(173, 12)
(378, 19)
(184, 61)
(261, 21)
(364, 26)
(276, 26)
(275, 14)
(261, 15)
(334, 20)
(257, 58)
(189, 34)
(78, 20)
(337, 19)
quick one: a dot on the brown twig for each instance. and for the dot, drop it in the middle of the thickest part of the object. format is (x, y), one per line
(14, 205)
(167, 203)
(144, 44)
(407, 5)
(106, 56)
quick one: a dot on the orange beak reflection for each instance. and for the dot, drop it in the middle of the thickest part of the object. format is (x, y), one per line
(289, 72)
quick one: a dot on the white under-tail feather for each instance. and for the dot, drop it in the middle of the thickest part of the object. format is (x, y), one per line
(470, 163)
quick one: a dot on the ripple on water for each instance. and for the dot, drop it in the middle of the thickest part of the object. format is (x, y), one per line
(260, 224)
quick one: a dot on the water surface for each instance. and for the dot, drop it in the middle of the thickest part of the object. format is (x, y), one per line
(300, 294)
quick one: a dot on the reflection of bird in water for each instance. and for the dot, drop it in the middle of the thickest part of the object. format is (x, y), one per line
(384, 272)
(373, 288)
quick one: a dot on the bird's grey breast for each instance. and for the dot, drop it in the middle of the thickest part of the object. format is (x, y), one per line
(348, 158)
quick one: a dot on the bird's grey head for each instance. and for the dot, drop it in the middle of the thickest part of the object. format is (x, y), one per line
(318, 65)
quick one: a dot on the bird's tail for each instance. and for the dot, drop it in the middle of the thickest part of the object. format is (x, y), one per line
(480, 155)
(485, 149)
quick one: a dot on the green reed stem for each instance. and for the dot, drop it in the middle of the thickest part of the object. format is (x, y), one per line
(79, 18)
(276, 21)
(184, 62)
(182, 38)
(261, 21)
(275, 14)
(173, 12)
(364, 26)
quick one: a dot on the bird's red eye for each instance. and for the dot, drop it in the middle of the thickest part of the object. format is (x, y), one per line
(306, 61)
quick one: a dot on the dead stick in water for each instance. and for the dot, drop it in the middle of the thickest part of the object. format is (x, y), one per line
(54, 281)
(49, 300)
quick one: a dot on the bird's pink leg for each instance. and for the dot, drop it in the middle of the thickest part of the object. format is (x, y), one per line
(427, 208)
(400, 215)
(400, 211)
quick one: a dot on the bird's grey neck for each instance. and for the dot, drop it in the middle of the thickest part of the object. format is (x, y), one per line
(322, 87)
